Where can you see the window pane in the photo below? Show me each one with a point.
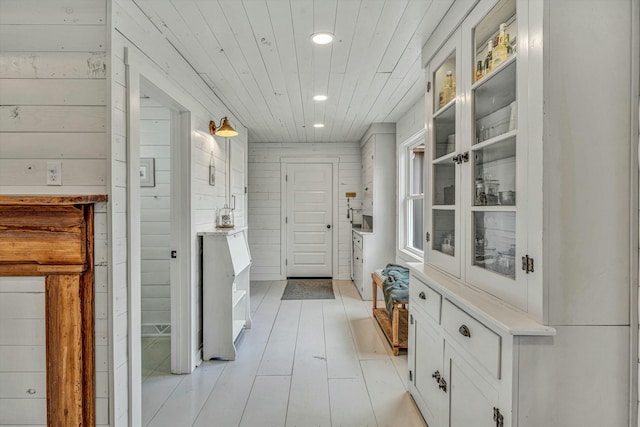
(415, 221)
(416, 168)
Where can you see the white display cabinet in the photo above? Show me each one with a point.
(226, 304)
(521, 307)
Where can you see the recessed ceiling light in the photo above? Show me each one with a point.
(318, 125)
(320, 98)
(322, 38)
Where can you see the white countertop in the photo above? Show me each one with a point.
(484, 307)
(221, 231)
(359, 231)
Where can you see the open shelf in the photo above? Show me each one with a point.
(238, 326)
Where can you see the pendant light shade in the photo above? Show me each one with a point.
(225, 129)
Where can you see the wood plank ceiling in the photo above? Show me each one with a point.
(257, 56)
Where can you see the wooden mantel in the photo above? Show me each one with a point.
(52, 236)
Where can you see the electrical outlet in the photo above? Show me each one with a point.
(54, 173)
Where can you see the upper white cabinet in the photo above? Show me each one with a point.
(531, 204)
(479, 171)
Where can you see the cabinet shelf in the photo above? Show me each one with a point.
(494, 208)
(487, 77)
(494, 140)
(448, 158)
(237, 297)
(446, 109)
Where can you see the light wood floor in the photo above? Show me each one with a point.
(303, 363)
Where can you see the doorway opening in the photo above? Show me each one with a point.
(155, 237)
(158, 242)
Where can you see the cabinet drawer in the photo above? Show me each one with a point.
(357, 241)
(422, 296)
(480, 341)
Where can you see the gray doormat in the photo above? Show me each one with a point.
(308, 289)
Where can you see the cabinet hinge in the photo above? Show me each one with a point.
(286, 220)
(411, 319)
(428, 236)
(428, 87)
(286, 261)
(410, 375)
(246, 190)
(527, 264)
(286, 178)
(498, 417)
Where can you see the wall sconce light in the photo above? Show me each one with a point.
(224, 129)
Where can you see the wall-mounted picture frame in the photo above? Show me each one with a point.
(212, 175)
(147, 172)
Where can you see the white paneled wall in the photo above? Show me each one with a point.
(264, 201)
(157, 61)
(53, 98)
(155, 217)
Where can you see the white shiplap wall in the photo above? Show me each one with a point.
(155, 217)
(22, 351)
(53, 98)
(264, 201)
(157, 60)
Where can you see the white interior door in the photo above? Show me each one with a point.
(309, 216)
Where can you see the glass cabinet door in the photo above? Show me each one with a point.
(476, 156)
(493, 212)
(442, 197)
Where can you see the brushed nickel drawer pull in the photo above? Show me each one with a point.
(464, 331)
(422, 295)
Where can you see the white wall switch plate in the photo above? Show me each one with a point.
(54, 173)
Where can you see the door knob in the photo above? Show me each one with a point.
(422, 295)
(328, 225)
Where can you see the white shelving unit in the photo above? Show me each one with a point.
(225, 294)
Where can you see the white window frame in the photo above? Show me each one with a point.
(404, 170)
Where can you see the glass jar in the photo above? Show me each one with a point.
(224, 217)
(491, 190)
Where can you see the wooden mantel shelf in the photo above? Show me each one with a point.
(52, 236)
(53, 200)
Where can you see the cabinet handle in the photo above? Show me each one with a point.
(436, 375)
(442, 385)
(464, 331)
(422, 295)
(498, 417)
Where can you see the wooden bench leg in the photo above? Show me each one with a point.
(374, 294)
(395, 324)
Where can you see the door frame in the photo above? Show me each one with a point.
(284, 161)
(137, 75)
